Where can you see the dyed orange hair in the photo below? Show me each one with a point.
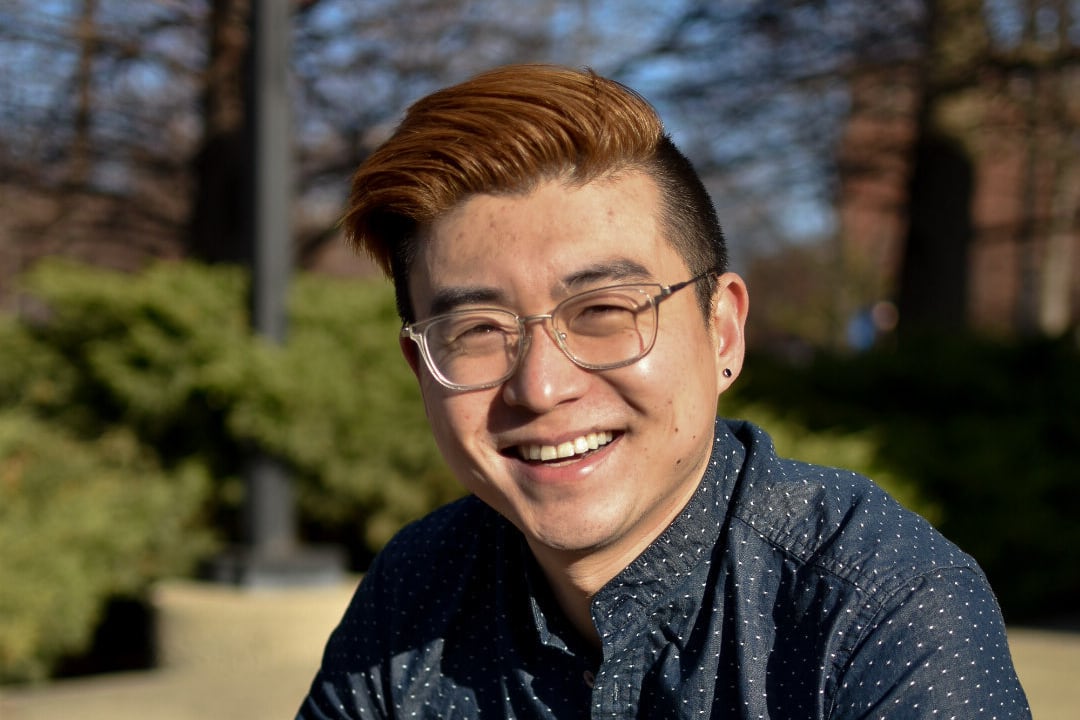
(504, 131)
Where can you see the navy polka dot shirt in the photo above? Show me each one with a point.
(783, 590)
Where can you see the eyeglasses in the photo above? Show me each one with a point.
(600, 329)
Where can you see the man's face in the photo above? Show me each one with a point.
(526, 253)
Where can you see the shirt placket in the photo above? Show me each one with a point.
(617, 686)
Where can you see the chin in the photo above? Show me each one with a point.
(583, 535)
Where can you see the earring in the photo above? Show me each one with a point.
(727, 372)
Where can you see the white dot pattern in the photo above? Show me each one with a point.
(783, 590)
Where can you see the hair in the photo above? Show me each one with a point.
(506, 131)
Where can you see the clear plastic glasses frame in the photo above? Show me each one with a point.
(599, 329)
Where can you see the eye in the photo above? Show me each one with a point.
(603, 308)
(605, 315)
(478, 330)
(471, 332)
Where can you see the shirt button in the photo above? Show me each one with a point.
(590, 678)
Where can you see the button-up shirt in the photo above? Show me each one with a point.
(782, 590)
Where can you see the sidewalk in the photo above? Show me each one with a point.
(225, 653)
(250, 654)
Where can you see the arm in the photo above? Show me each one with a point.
(336, 696)
(937, 648)
(332, 697)
(349, 682)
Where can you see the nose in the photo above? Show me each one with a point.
(545, 377)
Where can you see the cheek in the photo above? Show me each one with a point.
(455, 419)
(679, 382)
(685, 363)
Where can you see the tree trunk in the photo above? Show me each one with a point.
(82, 143)
(934, 276)
(935, 268)
(220, 230)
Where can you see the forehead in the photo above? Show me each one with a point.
(538, 240)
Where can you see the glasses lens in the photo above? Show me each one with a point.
(473, 348)
(608, 327)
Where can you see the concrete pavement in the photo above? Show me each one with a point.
(250, 654)
(225, 653)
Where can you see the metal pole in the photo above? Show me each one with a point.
(270, 514)
(273, 176)
(271, 554)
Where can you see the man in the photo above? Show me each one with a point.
(571, 322)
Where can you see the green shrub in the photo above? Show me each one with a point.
(168, 354)
(341, 405)
(162, 365)
(80, 523)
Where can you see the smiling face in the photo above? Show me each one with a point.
(580, 461)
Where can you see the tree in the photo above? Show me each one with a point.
(765, 93)
(796, 111)
(149, 104)
(219, 229)
(94, 130)
(942, 132)
(933, 285)
(998, 91)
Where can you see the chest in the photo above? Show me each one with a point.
(715, 648)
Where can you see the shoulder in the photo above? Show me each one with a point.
(420, 581)
(837, 521)
(451, 534)
(902, 605)
(440, 555)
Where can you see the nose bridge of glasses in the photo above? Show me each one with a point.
(539, 318)
(550, 329)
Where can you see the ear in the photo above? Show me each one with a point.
(730, 305)
(412, 354)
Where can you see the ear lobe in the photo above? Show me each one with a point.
(731, 304)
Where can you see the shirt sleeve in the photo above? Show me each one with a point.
(936, 649)
(339, 696)
(349, 683)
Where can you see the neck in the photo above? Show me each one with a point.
(575, 576)
(574, 579)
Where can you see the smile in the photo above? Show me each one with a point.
(578, 446)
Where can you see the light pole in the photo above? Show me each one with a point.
(271, 554)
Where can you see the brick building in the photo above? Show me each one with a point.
(1019, 134)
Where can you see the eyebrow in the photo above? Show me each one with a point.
(618, 269)
(449, 299)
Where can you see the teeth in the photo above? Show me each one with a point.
(577, 446)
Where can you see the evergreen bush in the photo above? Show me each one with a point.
(168, 354)
(82, 522)
(149, 392)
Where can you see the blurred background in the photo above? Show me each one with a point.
(899, 183)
